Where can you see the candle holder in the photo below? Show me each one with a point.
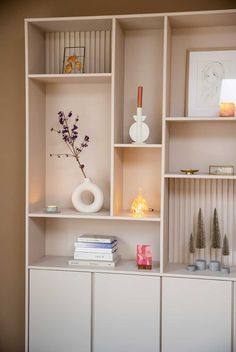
(227, 110)
(139, 131)
(214, 265)
(52, 209)
(201, 264)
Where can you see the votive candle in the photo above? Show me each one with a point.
(227, 109)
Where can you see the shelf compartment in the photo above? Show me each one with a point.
(52, 180)
(124, 266)
(199, 31)
(185, 197)
(179, 270)
(101, 215)
(55, 236)
(200, 176)
(139, 62)
(196, 146)
(71, 214)
(130, 145)
(47, 39)
(200, 119)
(72, 78)
(126, 215)
(136, 168)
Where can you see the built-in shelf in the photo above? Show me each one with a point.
(123, 266)
(72, 78)
(201, 176)
(126, 215)
(71, 214)
(201, 119)
(179, 270)
(101, 215)
(134, 145)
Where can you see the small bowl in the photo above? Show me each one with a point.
(189, 171)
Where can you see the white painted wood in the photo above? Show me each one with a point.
(73, 78)
(126, 314)
(143, 57)
(60, 311)
(207, 194)
(107, 51)
(92, 102)
(124, 266)
(188, 38)
(196, 145)
(196, 315)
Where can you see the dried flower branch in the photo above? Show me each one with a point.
(69, 136)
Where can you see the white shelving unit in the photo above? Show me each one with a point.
(123, 52)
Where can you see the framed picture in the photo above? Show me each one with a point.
(73, 60)
(205, 70)
(221, 170)
(144, 256)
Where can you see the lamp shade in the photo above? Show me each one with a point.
(228, 91)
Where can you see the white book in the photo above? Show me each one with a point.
(95, 256)
(100, 263)
(96, 250)
(96, 238)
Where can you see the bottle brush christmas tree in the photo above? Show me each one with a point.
(216, 238)
(225, 251)
(191, 249)
(200, 238)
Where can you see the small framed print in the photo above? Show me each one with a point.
(221, 170)
(144, 256)
(206, 68)
(73, 61)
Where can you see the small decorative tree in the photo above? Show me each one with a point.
(200, 238)
(216, 238)
(225, 252)
(191, 249)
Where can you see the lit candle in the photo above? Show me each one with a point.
(140, 97)
(227, 109)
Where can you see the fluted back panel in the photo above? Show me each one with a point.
(186, 196)
(97, 50)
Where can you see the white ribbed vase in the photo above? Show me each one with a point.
(87, 186)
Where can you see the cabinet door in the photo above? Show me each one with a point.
(196, 315)
(126, 313)
(60, 311)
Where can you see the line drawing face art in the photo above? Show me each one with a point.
(211, 76)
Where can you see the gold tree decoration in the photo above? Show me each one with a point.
(216, 236)
(200, 238)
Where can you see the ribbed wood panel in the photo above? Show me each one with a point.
(185, 199)
(97, 50)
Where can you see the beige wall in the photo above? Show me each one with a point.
(12, 159)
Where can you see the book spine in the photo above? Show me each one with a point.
(91, 263)
(95, 245)
(96, 250)
(95, 256)
(95, 240)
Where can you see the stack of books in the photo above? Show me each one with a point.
(95, 250)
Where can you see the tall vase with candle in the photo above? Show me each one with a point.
(139, 131)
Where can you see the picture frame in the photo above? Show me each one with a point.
(73, 59)
(205, 70)
(221, 170)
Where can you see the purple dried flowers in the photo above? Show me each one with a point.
(69, 136)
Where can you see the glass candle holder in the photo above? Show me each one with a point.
(227, 109)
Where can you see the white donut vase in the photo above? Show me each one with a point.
(87, 186)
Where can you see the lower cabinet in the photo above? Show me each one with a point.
(126, 313)
(60, 311)
(196, 315)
